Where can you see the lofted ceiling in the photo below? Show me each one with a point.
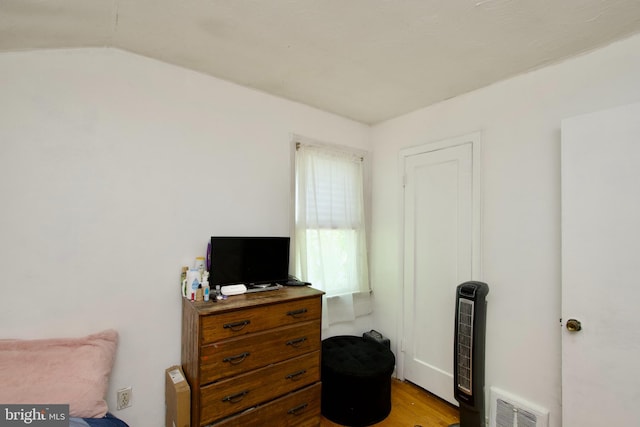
(368, 60)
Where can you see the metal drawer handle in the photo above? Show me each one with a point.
(297, 342)
(298, 409)
(237, 326)
(297, 313)
(296, 375)
(235, 398)
(234, 360)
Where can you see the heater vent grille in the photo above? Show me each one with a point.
(509, 411)
(508, 415)
(465, 345)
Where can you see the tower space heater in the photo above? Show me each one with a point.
(468, 359)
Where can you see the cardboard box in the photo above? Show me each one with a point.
(177, 398)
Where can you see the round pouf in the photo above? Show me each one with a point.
(356, 380)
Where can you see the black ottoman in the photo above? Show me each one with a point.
(356, 380)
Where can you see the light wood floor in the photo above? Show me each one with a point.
(412, 406)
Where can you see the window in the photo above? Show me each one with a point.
(330, 239)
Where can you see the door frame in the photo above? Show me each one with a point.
(474, 139)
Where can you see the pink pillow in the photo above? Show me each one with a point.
(59, 371)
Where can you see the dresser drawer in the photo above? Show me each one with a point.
(236, 394)
(298, 409)
(235, 323)
(238, 355)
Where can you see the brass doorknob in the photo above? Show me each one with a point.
(573, 325)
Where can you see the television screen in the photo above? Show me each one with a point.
(248, 260)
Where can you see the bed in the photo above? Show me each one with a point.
(66, 371)
(107, 421)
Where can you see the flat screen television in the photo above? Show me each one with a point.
(248, 260)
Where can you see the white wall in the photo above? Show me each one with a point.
(520, 123)
(114, 171)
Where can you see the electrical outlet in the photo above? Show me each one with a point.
(124, 397)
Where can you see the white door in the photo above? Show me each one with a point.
(601, 269)
(438, 256)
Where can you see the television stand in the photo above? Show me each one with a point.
(254, 359)
(263, 287)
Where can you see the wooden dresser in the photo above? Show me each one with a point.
(254, 359)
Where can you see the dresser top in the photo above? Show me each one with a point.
(234, 302)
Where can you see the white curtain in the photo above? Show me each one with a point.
(330, 238)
